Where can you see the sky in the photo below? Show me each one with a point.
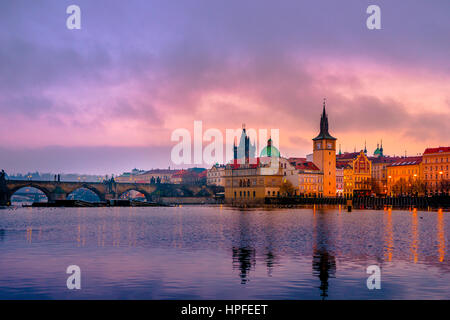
(106, 98)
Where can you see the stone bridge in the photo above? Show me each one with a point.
(55, 190)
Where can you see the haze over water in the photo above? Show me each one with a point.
(200, 252)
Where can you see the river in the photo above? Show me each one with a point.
(214, 252)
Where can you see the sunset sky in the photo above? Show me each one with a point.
(106, 98)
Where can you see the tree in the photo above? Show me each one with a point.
(375, 186)
(418, 187)
(445, 186)
(400, 187)
(287, 189)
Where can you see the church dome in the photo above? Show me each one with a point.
(270, 150)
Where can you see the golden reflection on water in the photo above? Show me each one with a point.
(116, 227)
(131, 229)
(414, 236)
(81, 227)
(178, 231)
(441, 235)
(29, 235)
(389, 236)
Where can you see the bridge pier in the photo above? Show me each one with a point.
(57, 194)
(5, 199)
(110, 196)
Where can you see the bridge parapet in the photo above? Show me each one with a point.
(59, 190)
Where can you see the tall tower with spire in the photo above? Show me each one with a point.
(324, 155)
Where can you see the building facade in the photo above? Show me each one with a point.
(310, 180)
(404, 176)
(141, 176)
(435, 170)
(379, 173)
(339, 180)
(357, 174)
(216, 175)
(251, 183)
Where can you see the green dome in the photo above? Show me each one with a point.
(270, 151)
(377, 151)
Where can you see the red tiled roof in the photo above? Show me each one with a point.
(307, 165)
(384, 159)
(436, 150)
(295, 161)
(253, 163)
(406, 161)
(341, 165)
(179, 174)
(202, 174)
(347, 155)
(160, 171)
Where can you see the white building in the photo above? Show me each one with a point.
(215, 175)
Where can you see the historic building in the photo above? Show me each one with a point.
(404, 176)
(215, 175)
(141, 176)
(357, 174)
(252, 180)
(339, 180)
(435, 170)
(310, 180)
(324, 156)
(348, 180)
(379, 173)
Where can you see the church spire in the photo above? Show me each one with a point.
(324, 134)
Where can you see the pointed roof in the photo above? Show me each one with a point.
(324, 126)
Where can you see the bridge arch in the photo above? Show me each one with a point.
(147, 196)
(99, 194)
(44, 190)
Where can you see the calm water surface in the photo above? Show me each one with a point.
(223, 253)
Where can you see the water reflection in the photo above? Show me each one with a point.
(324, 262)
(441, 235)
(389, 236)
(415, 236)
(244, 260)
(216, 252)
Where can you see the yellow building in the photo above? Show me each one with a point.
(379, 173)
(348, 181)
(324, 156)
(435, 170)
(251, 183)
(310, 180)
(357, 175)
(404, 176)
